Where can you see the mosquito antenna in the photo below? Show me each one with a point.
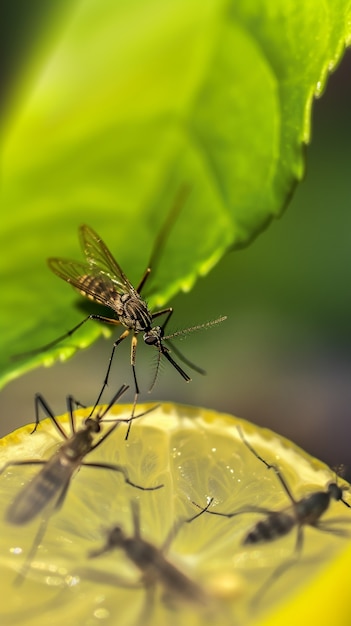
(172, 216)
(179, 354)
(192, 329)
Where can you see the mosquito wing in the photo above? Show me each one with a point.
(177, 583)
(89, 281)
(100, 258)
(52, 480)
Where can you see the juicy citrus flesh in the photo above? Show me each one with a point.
(196, 455)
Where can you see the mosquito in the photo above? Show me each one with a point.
(51, 484)
(101, 279)
(306, 511)
(154, 566)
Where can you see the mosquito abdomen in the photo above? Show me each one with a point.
(274, 526)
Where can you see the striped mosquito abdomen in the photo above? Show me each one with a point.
(274, 526)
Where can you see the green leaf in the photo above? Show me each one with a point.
(119, 105)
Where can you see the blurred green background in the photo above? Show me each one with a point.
(283, 358)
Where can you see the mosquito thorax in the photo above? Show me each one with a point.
(135, 313)
(153, 336)
(92, 425)
(116, 537)
(335, 491)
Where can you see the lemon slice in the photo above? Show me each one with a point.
(196, 454)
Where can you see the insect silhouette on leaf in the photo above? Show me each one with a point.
(48, 488)
(306, 511)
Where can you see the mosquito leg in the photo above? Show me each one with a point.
(146, 611)
(131, 419)
(118, 422)
(176, 528)
(339, 532)
(40, 402)
(168, 311)
(71, 403)
(136, 386)
(100, 415)
(39, 536)
(172, 216)
(268, 466)
(122, 470)
(51, 344)
(143, 280)
(104, 385)
(172, 534)
(132, 360)
(26, 462)
(281, 568)
(257, 597)
(249, 509)
(37, 540)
